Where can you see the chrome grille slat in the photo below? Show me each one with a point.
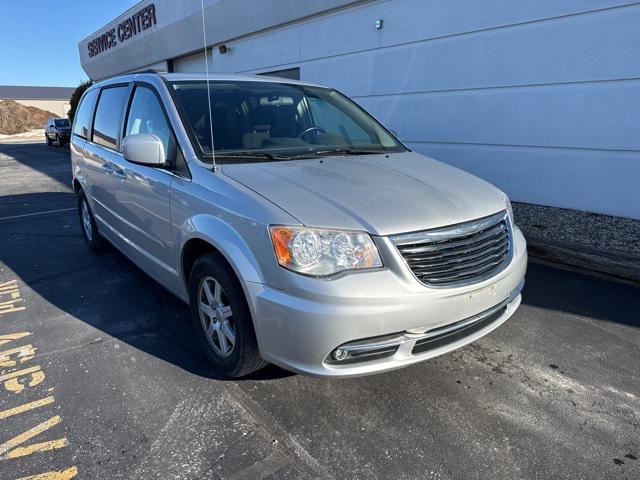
(459, 254)
(450, 244)
(429, 270)
(439, 277)
(461, 275)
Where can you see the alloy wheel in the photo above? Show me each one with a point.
(216, 316)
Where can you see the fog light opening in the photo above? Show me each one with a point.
(339, 354)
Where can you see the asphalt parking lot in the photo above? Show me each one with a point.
(103, 380)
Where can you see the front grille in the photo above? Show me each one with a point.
(460, 254)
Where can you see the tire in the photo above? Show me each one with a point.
(58, 140)
(228, 309)
(46, 137)
(88, 225)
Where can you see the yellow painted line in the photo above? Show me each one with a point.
(57, 475)
(19, 373)
(11, 448)
(13, 336)
(11, 309)
(8, 303)
(37, 447)
(25, 352)
(15, 386)
(26, 407)
(10, 285)
(14, 448)
(11, 290)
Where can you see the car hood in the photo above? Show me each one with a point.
(381, 194)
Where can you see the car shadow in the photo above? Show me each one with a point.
(43, 246)
(103, 290)
(581, 294)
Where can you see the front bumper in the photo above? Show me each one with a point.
(298, 328)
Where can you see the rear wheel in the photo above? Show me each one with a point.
(88, 225)
(222, 319)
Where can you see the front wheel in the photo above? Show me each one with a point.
(46, 137)
(222, 319)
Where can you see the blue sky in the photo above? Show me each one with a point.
(39, 39)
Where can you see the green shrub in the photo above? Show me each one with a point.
(75, 98)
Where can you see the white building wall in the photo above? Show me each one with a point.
(541, 98)
(191, 63)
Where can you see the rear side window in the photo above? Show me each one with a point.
(109, 116)
(82, 120)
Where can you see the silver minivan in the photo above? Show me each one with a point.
(299, 230)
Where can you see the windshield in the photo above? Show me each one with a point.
(63, 122)
(276, 120)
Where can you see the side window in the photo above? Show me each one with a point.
(82, 120)
(147, 116)
(109, 116)
(337, 124)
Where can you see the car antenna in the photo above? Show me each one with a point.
(206, 65)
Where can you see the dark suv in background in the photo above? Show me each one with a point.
(57, 130)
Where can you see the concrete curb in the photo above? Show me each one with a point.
(618, 265)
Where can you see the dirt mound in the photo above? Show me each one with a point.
(17, 118)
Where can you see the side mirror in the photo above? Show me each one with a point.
(145, 149)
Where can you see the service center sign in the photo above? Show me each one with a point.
(129, 27)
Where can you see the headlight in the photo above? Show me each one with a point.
(509, 208)
(320, 252)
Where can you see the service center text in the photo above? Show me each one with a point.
(139, 21)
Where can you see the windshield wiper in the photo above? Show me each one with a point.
(252, 156)
(348, 151)
(261, 156)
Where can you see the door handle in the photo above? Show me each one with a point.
(107, 168)
(118, 172)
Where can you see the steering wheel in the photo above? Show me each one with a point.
(311, 129)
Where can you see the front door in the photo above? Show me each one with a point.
(143, 193)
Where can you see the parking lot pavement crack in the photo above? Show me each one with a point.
(126, 337)
(262, 469)
(221, 456)
(150, 333)
(288, 444)
(28, 218)
(62, 351)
